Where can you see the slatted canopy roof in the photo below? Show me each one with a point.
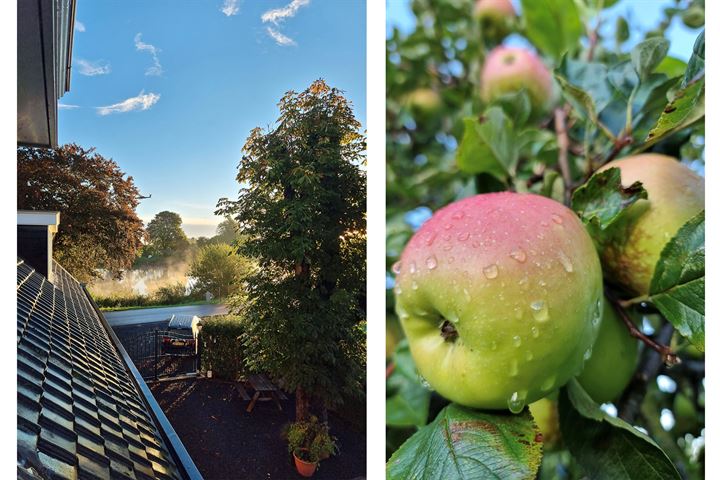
(81, 411)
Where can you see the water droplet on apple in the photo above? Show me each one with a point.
(396, 267)
(431, 262)
(467, 294)
(451, 259)
(544, 224)
(516, 402)
(397, 290)
(462, 236)
(542, 283)
(587, 354)
(528, 355)
(565, 261)
(513, 368)
(535, 331)
(548, 384)
(413, 268)
(518, 255)
(517, 341)
(540, 310)
(447, 237)
(448, 226)
(458, 215)
(597, 314)
(431, 238)
(491, 271)
(556, 218)
(425, 383)
(414, 285)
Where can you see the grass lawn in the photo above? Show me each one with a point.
(138, 307)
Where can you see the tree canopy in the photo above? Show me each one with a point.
(302, 192)
(99, 228)
(218, 271)
(165, 235)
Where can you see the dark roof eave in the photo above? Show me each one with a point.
(176, 447)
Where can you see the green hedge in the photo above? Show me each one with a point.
(221, 348)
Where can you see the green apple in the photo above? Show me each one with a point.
(510, 69)
(423, 101)
(496, 17)
(545, 413)
(614, 358)
(675, 194)
(499, 296)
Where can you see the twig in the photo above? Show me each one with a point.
(563, 146)
(649, 368)
(389, 370)
(666, 353)
(622, 141)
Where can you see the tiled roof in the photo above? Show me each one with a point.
(79, 412)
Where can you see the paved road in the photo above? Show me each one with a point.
(149, 315)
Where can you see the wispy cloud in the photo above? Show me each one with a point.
(281, 39)
(91, 69)
(278, 15)
(141, 46)
(230, 7)
(79, 26)
(141, 102)
(63, 106)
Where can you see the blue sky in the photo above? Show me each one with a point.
(184, 82)
(643, 15)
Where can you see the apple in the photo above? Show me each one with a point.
(423, 101)
(510, 69)
(545, 414)
(500, 297)
(495, 16)
(614, 358)
(675, 194)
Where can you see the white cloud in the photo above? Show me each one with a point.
(91, 69)
(230, 7)
(277, 15)
(281, 39)
(142, 102)
(141, 46)
(79, 26)
(63, 106)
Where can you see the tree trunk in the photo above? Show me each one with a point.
(302, 405)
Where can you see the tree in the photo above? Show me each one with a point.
(218, 271)
(99, 228)
(302, 192)
(165, 234)
(615, 96)
(227, 231)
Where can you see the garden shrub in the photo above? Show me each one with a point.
(221, 346)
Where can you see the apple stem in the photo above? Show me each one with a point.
(666, 353)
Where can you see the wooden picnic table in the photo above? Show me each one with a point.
(264, 390)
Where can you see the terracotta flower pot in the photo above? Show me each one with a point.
(306, 469)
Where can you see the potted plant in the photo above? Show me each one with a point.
(309, 442)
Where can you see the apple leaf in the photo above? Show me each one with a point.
(686, 107)
(463, 443)
(410, 403)
(678, 285)
(590, 77)
(648, 54)
(696, 64)
(601, 200)
(605, 446)
(488, 145)
(554, 26)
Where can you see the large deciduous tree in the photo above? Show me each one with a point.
(218, 271)
(165, 235)
(99, 228)
(301, 203)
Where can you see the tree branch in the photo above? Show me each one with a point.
(563, 145)
(648, 369)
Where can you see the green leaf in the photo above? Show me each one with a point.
(696, 64)
(578, 98)
(462, 443)
(607, 447)
(516, 105)
(648, 54)
(591, 77)
(686, 107)
(553, 26)
(602, 199)
(488, 145)
(410, 403)
(672, 67)
(622, 30)
(678, 285)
